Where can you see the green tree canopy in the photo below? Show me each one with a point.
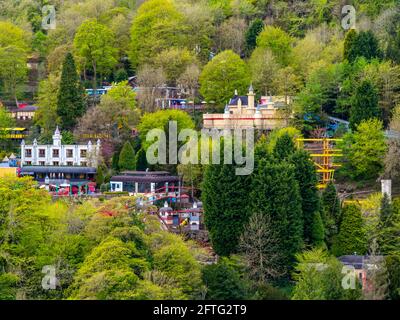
(331, 213)
(364, 104)
(127, 157)
(222, 76)
(275, 193)
(224, 281)
(319, 277)
(278, 41)
(94, 43)
(255, 28)
(365, 150)
(352, 237)
(157, 26)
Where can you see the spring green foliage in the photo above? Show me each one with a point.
(70, 102)
(160, 120)
(278, 41)
(276, 134)
(352, 237)
(94, 43)
(100, 249)
(46, 115)
(6, 121)
(365, 150)
(14, 46)
(319, 277)
(157, 26)
(222, 76)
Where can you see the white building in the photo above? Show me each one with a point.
(58, 154)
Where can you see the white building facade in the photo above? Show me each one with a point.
(58, 154)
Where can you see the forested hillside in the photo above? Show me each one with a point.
(105, 70)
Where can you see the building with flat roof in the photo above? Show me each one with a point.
(243, 112)
(57, 154)
(145, 182)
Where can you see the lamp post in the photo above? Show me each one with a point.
(47, 182)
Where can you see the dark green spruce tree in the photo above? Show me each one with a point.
(284, 147)
(225, 201)
(349, 46)
(255, 28)
(363, 44)
(306, 176)
(364, 104)
(393, 50)
(351, 238)
(141, 160)
(71, 104)
(126, 159)
(331, 213)
(275, 193)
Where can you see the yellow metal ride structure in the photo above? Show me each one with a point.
(323, 151)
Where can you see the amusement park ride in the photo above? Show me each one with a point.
(323, 151)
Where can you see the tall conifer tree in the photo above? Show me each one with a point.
(70, 105)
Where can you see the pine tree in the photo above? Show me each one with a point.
(331, 213)
(284, 147)
(115, 161)
(275, 193)
(252, 33)
(141, 160)
(100, 176)
(306, 176)
(351, 238)
(363, 44)
(393, 50)
(127, 157)
(349, 52)
(70, 104)
(225, 202)
(364, 104)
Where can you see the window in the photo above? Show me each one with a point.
(84, 164)
(70, 164)
(56, 153)
(55, 163)
(42, 163)
(28, 163)
(28, 153)
(42, 153)
(70, 153)
(83, 153)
